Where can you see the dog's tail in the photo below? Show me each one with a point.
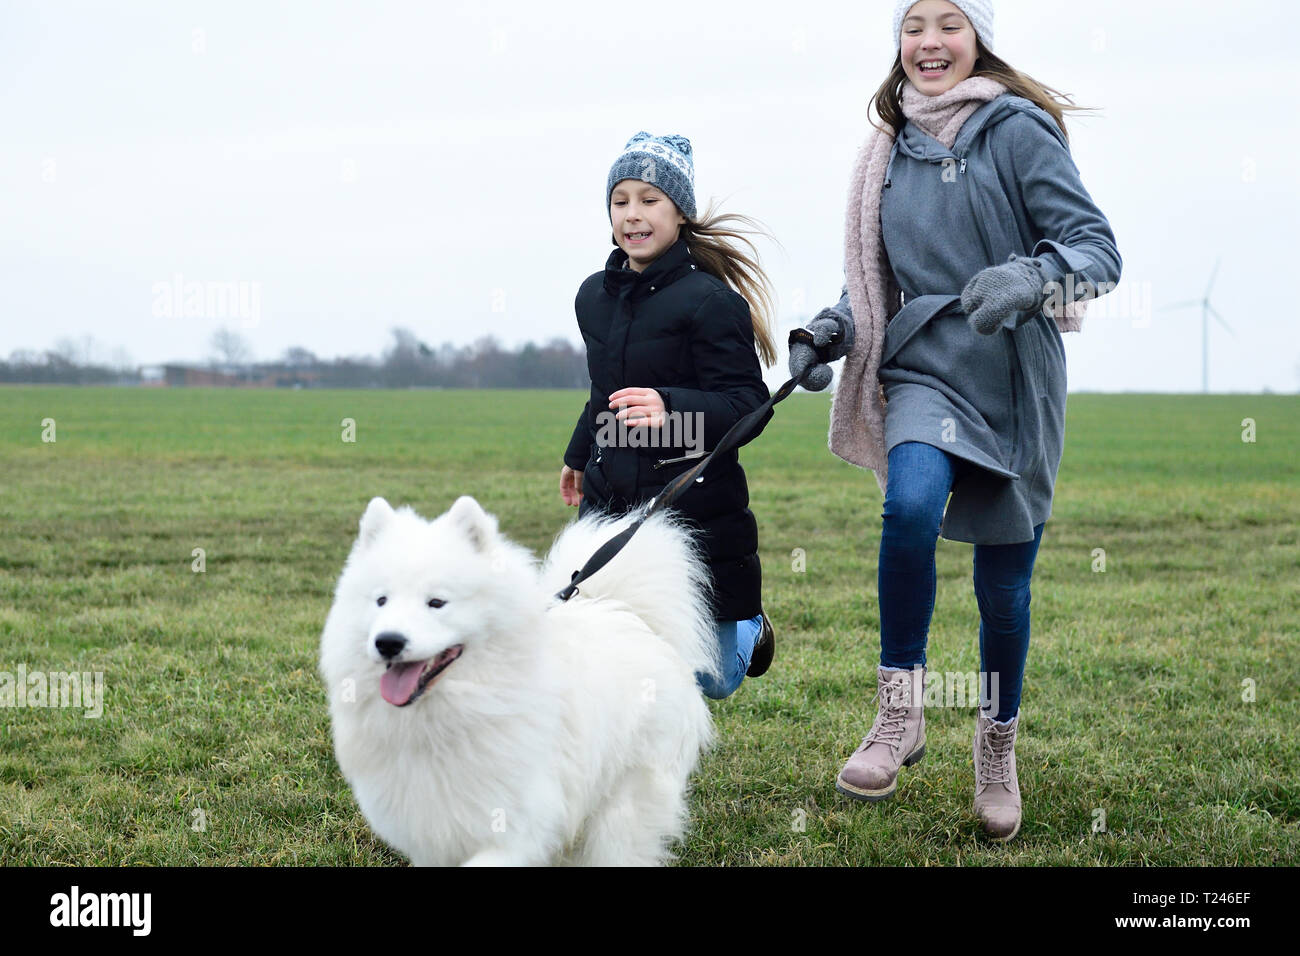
(661, 576)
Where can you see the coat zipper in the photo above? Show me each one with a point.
(1011, 371)
(1013, 462)
(659, 463)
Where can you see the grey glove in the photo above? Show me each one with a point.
(994, 294)
(826, 322)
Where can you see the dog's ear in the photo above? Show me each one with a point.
(378, 512)
(476, 524)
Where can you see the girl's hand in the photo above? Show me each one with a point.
(570, 485)
(639, 406)
(995, 294)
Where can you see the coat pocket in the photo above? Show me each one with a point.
(660, 463)
(1033, 359)
(595, 486)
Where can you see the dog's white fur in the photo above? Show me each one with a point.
(566, 732)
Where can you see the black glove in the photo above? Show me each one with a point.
(994, 294)
(828, 337)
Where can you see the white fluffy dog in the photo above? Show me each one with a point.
(478, 719)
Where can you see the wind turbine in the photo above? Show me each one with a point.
(1206, 311)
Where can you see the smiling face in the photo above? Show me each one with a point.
(421, 604)
(646, 222)
(936, 31)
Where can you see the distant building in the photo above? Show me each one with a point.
(153, 376)
(257, 376)
(182, 375)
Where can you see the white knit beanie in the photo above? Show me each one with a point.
(978, 12)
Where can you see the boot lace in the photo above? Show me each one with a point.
(890, 718)
(995, 756)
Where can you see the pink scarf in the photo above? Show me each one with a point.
(857, 431)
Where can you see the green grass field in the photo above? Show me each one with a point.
(1138, 742)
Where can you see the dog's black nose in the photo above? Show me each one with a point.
(389, 644)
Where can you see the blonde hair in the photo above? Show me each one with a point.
(888, 98)
(716, 248)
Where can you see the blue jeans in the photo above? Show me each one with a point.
(920, 479)
(736, 641)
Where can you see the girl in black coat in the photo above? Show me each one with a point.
(672, 350)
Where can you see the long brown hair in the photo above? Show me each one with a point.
(716, 248)
(888, 99)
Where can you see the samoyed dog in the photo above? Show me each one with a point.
(481, 720)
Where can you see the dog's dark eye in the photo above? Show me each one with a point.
(382, 601)
(436, 602)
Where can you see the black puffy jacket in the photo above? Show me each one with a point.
(689, 336)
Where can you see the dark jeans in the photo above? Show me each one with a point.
(920, 479)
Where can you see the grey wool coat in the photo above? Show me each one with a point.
(1008, 185)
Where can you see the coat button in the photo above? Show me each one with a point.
(692, 265)
(652, 288)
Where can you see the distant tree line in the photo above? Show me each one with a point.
(406, 363)
(48, 368)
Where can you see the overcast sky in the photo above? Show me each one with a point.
(441, 167)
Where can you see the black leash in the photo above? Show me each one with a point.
(674, 488)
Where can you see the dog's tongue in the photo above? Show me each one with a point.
(399, 682)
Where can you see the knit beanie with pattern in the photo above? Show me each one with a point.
(662, 161)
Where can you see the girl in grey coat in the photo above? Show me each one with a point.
(971, 245)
